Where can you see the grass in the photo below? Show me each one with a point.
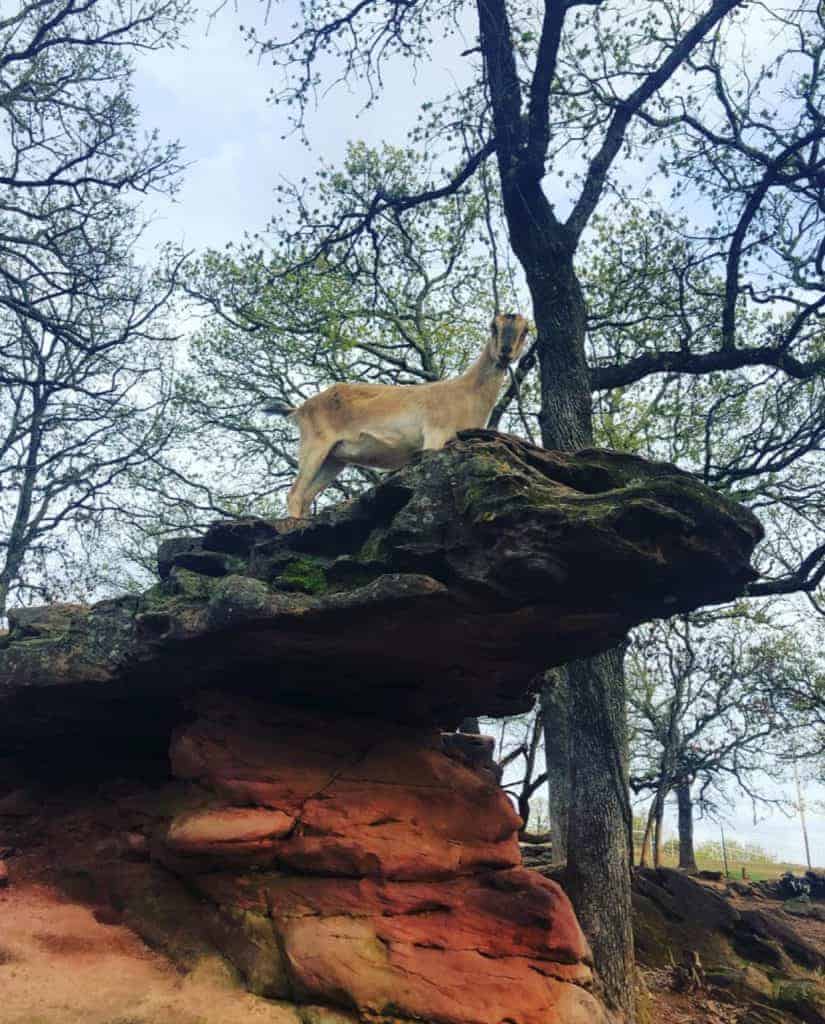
(757, 871)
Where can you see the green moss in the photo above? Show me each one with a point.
(193, 586)
(305, 574)
(371, 549)
(182, 586)
(804, 998)
(348, 573)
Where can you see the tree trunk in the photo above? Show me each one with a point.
(658, 818)
(18, 541)
(687, 856)
(601, 822)
(528, 786)
(555, 716)
(644, 855)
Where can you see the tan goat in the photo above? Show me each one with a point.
(383, 425)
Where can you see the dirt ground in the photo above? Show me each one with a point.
(59, 965)
(699, 1007)
(669, 1007)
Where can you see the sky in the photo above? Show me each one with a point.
(212, 96)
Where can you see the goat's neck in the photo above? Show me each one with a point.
(485, 377)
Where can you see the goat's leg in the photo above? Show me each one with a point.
(435, 439)
(323, 478)
(310, 460)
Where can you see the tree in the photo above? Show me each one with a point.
(557, 96)
(755, 432)
(82, 359)
(517, 750)
(703, 711)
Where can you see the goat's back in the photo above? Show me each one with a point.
(341, 404)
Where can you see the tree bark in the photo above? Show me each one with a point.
(554, 709)
(600, 820)
(529, 786)
(687, 855)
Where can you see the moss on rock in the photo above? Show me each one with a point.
(305, 574)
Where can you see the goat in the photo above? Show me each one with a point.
(383, 425)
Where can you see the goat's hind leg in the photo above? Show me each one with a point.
(433, 440)
(310, 461)
(329, 470)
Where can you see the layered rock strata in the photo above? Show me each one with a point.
(359, 864)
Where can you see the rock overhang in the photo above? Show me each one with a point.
(441, 593)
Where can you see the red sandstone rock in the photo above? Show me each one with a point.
(452, 946)
(394, 806)
(344, 959)
(228, 830)
(514, 912)
(409, 899)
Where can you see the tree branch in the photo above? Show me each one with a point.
(603, 378)
(625, 109)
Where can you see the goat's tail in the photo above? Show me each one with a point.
(277, 408)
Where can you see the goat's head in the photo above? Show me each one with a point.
(509, 333)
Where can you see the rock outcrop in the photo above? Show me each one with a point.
(318, 828)
(435, 597)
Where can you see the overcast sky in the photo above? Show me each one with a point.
(212, 96)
